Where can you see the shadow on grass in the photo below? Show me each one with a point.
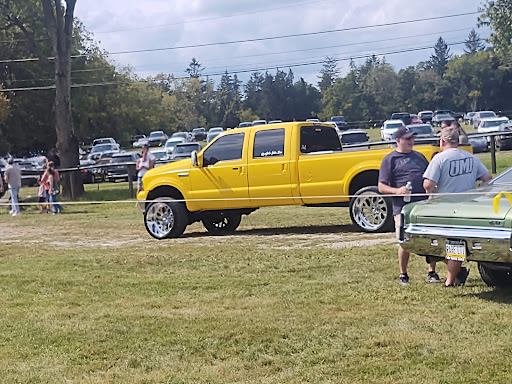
(497, 295)
(311, 230)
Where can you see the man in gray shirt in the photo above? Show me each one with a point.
(451, 171)
(13, 178)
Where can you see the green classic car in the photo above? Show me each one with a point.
(465, 227)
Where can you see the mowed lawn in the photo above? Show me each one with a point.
(296, 295)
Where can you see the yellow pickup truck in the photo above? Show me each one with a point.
(297, 163)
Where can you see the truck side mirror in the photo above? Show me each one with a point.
(197, 159)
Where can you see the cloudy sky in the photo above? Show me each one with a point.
(174, 29)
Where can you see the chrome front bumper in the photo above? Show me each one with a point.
(482, 244)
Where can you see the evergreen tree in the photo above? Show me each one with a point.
(328, 74)
(440, 57)
(473, 43)
(194, 69)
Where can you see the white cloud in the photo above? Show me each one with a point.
(114, 15)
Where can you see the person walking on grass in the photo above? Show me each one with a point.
(53, 178)
(451, 171)
(13, 178)
(398, 168)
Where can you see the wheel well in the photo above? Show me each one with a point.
(364, 179)
(165, 191)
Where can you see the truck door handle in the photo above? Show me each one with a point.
(235, 168)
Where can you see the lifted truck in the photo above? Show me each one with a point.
(243, 169)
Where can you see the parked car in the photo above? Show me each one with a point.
(422, 131)
(405, 117)
(101, 163)
(479, 144)
(97, 150)
(504, 141)
(313, 120)
(199, 134)
(468, 118)
(88, 176)
(426, 116)
(136, 138)
(142, 141)
(162, 157)
(157, 138)
(183, 151)
(340, 122)
(213, 133)
(491, 124)
(171, 143)
(104, 140)
(415, 119)
(118, 170)
(456, 115)
(186, 136)
(387, 132)
(439, 118)
(465, 226)
(353, 136)
(275, 121)
(30, 171)
(245, 124)
(482, 115)
(259, 122)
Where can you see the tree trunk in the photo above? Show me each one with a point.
(59, 27)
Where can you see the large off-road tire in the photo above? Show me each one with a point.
(165, 218)
(371, 211)
(221, 223)
(495, 277)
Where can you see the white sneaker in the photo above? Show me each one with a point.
(14, 214)
(11, 212)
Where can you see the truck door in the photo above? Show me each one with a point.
(269, 167)
(221, 183)
(320, 178)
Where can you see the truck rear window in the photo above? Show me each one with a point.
(319, 138)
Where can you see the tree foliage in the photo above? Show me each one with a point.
(440, 58)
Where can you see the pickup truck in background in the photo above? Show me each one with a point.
(296, 163)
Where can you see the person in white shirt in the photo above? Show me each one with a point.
(146, 162)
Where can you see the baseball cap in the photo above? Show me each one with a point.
(403, 133)
(450, 135)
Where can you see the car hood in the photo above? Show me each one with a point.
(176, 166)
(471, 209)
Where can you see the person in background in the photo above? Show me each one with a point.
(53, 187)
(451, 171)
(143, 164)
(399, 167)
(13, 178)
(54, 157)
(42, 196)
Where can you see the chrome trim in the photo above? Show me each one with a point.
(185, 174)
(459, 231)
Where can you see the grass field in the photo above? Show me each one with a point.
(296, 295)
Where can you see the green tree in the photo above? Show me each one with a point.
(194, 69)
(497, 15)
(440, 58)
(328, 74)
(473, 43)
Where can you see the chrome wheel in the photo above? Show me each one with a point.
(159, 220)
(370, 211)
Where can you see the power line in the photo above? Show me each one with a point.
(212, 18)
(265, 38)
(50, 87)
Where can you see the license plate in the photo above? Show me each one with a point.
(456, 251)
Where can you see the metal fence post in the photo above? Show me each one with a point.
(493, 154)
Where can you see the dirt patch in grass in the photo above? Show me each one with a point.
(263, 239)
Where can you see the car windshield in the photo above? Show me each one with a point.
(179, 134)
(503, 178)
(121, 159)
(185, 148)
(444, 117)
(493, 123)
(471, 114)
(393, 125)
(171, 144)
(156, 134)
(101, 141)
(484, 115)
(159, 155)
(198, 130)
(215, 130)
(425, 114)
(421, 129)
(354, 138)
(100, 148)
